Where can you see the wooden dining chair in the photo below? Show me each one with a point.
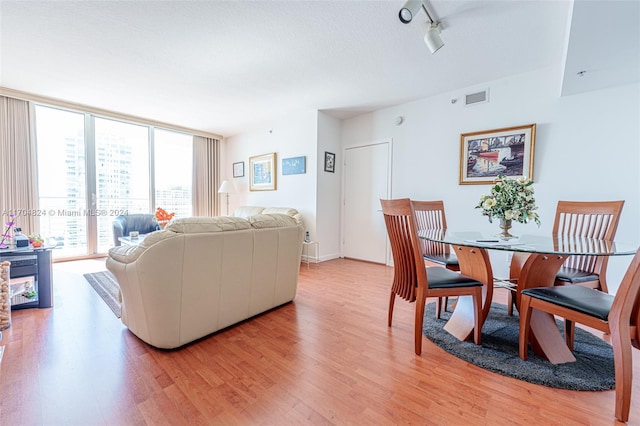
(586, 219)
(617, 315)
(430, 215)
(413, 281)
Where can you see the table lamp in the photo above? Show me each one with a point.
(226, 188)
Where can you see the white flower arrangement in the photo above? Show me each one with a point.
(510, 199)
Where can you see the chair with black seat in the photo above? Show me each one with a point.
(412, 280)
(617, 315)
(140, 222)
(586, 219)
(430, 215)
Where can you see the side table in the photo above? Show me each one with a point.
(306, 245)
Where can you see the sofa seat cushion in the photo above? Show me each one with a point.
(261, 221)
(202, 224)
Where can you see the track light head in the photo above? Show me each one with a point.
(432, 37)
(409, 10)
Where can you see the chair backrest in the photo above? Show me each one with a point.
(626, 303)
(589, 219)
(430, 215)
(407, 254)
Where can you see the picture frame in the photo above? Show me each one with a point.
(329, 162)
(294, 165)
(262, 172)
(488, 153)
(238, 169)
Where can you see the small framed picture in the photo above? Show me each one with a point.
(262, 172)
(329, 162)
(238, 169)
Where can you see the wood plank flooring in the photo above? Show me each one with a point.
(328, 358)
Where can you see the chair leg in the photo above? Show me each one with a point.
(477, 314)
(510, 303)
(439, 307)
(569, 333)
(622, 359)
(525, 319)
(446, 304)
(420, 302)
(392, 300)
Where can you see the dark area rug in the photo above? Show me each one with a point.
(105, 284)
(593, 370)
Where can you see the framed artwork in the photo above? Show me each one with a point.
(262, 172)
(294, 165)
(238, 169)
(329, 162)
(486, 154)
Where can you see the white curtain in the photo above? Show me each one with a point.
(18, 175)
(206, 178)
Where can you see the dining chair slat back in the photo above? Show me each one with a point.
(430, 215)
(591, 220)
(411, 279)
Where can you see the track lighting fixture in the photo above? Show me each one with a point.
(432, 37)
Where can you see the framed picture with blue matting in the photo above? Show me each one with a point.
(294, 165)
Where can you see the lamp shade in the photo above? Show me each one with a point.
(226, 187)
(432, 38)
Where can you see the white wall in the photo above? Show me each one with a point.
(294, 136)
(328, 207)
(586, 148)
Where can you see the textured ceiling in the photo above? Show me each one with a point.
(224, 66)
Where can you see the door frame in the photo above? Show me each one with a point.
(389, 143)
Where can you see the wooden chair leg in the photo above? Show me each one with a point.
(569, 333)
(392, 300)
(446, 304)
(420, 302)
(439, 307)
(525, 319)
(510, 303)
(477, 313)
(622, 360)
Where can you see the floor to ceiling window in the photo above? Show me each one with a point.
(92, 169)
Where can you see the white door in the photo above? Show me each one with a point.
(367, 180)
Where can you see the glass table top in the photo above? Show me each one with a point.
(552, 244)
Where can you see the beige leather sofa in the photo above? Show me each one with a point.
(202, 274)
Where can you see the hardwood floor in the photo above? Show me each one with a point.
(326, 358)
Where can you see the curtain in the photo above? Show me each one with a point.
(206, 178)
(18, 175)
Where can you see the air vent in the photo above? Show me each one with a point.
(476, 98)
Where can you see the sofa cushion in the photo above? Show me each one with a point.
(201, 224)
(276, 220)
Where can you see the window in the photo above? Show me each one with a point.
(91, 169)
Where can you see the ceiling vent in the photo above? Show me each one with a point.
(476, 98)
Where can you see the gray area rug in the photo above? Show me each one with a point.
(593, 370)
(105, 284)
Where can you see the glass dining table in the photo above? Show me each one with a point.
(535, 263)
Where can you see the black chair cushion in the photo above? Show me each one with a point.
(444, 278)
(442, 259)
(575, 276)
(582, 299)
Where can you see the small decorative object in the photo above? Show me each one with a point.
(5, 296)
(35, 240)
(262, 172)
(307, 238)
(238, 169)
(294, 165)
(134, 235)
(511, 199)
(490, 153)
(329, 162)
(163, 217)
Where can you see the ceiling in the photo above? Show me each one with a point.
(225, 66)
